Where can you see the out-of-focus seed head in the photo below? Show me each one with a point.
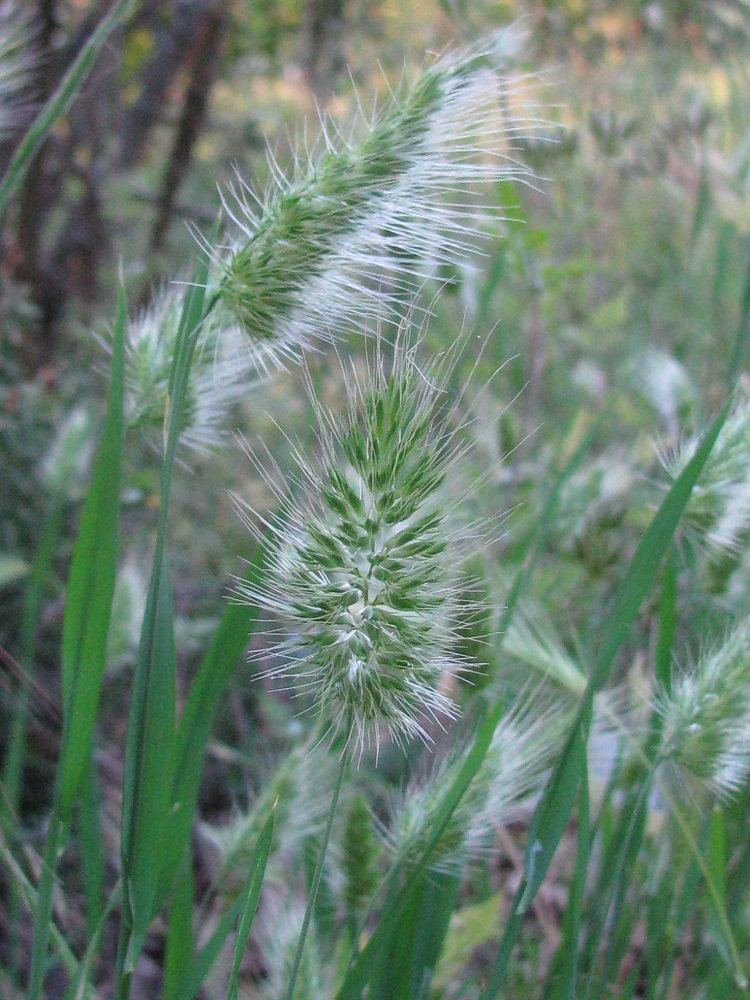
(298, 791)
(223, 370)
(705, 717)
(280, 925)
(510, 777)
(359, 854)
(718, 512)
(17, 61)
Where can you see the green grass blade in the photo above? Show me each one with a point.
(149, 751)
(204, 960)
(648, 556)
(717, 866)
(569, 947)
(229, 642)
(32, 601)
(682, 912)
(551, 815)
(148, 765)
(179, 953)
(78, 988)
(88, 605)
(410, 957)
(30, 898)
(251, 895)
(201, 965)
(91, 586)
(665, 640)
(435, 912)
(91, 845)
(739, 353)
(660, 927)
(60, 102)
(618, 856)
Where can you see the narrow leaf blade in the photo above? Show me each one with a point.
(251, 896)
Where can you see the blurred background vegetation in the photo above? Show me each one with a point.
(622, 297)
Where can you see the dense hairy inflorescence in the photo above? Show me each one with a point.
(510, 777)
(365, 569)
(360, 222)
(718, 512)
(705, 717)
(223, 370)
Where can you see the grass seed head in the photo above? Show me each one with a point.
(365, 569)
(705, 716)
(511, 776)
(17, 63)
(361, 220)
(223, 370)
(718, 512)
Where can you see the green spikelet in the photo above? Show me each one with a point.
(360, 850)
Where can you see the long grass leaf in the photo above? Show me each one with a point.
(229, 641)
(88, 606)
(78, 988)
(32, 600)
(148, 765)
(204, 960)
(149, 750)
(569, 947)
(60, 102)
(648, 556)
(251, 895)
(665, 639)
(179, 952)
(739, 352)
(91, 586)
(91, 844)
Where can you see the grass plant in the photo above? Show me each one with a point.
(383, 626)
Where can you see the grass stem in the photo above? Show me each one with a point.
(317, 877)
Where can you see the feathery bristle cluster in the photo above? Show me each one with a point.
(532, 639)
(512, 774)
(280, 927)
(17, 60)
(362, 221)
(222, 371)
(718, 511)
(365, 571)
(705, 717)
(298, 792)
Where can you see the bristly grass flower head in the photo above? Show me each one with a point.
(510, 777)
(223, 370)
(718, 512)
(17, 61)
(365, 570)
(705, 717)
(361, 220)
